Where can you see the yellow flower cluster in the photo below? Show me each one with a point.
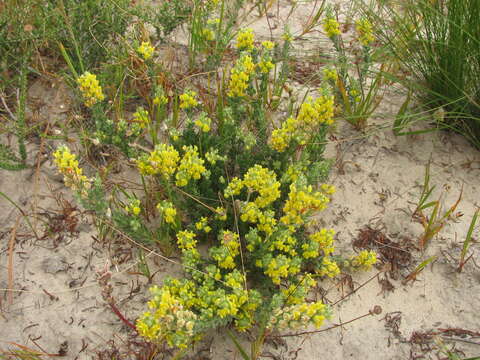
(164, 160)
(364, 32)
(331, 27)
(355, 94)
(187, 100)
(168, 211)
(141, 117)
(191, 166)
(301, 202)
(67, 164)
(233, 188)
(264, 182)
(266, 220)
(212, 156)
(296, 292)
(203, 123)
(364, 260)
(161, 161)
(168, 319)
(186, 240)
(280, 267)
(328, 268)
(146, 50)
(240, 76)
(268, 45)
(319, 241)
(296, 316)
(311, 115)
(245, 40)
(133, 207)
(221, 213)
(160, 100)
(265, 66)
(225, 254)
(208, 34)
(330, 74)
(202, 224)
(90, 88)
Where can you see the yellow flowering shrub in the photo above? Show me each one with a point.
(237, 200)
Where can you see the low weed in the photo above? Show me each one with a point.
(434, 222)
(467, 242)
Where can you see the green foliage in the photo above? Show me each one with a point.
(8, 159)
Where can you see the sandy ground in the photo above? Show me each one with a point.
(57, 303)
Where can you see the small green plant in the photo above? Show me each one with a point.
(436, 221)
(466, 244)
(420, 267)
(359, 88)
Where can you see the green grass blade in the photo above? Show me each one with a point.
(238, 346)
(468, 239)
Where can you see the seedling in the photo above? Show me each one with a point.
(436, 221)
(413, 275)
(466, 244)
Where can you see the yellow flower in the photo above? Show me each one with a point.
(133, 207)
(146, 50)
(203, 123)
(163, 160)
(233, 188)
(168, 211)
(208, 34)
(364, 32)
(245, 40)
(364, 260)
(240, 76)
(268, 45)
(330, 74)
(287, 37)
(265, 66)
(300, 203)
(328, 268)
(141, 117)
(312, 114)
(67, 164)
(187, 100)
(90, 88)
(203, 225)
(160, 100)
(331, 27)
(264, 182)
(191, 166)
